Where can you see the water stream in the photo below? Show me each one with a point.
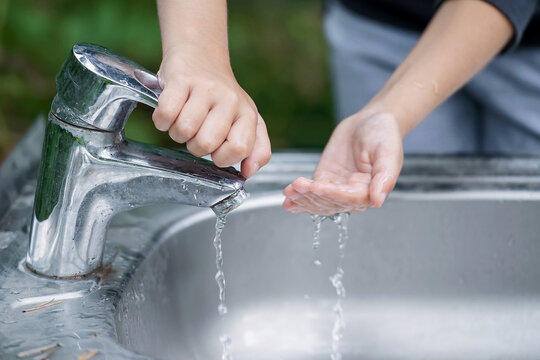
(317, 221)
(224, 338)
(341, 220)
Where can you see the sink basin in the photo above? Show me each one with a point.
(428, 276)
(448, 268)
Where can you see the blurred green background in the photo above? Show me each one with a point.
(277, 51)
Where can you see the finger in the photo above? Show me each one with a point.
(302, 185)
(213, 131)
(290, 206)
(239, 143)
(323, 206)
(303, 204)
(261, 153)
(331, 205)
(313, 204)
(289, 191)
(170, 103)
(348, 195)
(386, 170)
(363, 163)
(328, 202)
(191, 117)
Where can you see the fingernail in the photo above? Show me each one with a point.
(384, 196)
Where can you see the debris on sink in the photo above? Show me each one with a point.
(6, 238)
(48, 350)
(87, 355)
(43, 305)
(49, 353)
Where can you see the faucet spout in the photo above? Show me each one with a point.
(89, 172)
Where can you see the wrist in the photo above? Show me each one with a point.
(401, 116)
(187, 52)
(196, 46)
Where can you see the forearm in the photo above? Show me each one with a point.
(463, 36)
(200, 25)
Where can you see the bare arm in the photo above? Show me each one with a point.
(363, 158)
(201, 24)
(463, 36)
(202, 104)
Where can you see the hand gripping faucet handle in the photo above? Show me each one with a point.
(98, 89)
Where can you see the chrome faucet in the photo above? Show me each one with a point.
(90, 172)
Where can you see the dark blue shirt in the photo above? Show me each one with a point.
(415, 14)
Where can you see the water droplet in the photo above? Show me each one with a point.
(317, 221)
(222, 309)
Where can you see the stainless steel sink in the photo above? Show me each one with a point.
(432, 275)
(449, 268)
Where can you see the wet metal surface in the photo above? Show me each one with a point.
(447, 269)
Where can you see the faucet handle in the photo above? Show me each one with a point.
(98, 89)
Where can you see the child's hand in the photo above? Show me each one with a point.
(358, 168)
(203, 106)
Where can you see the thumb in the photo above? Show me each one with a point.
(386, 169)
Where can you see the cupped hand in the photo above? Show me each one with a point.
(357, 170)
(203, 106)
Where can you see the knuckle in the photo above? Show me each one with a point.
(239, 148)
(232, 97)
(185, 129)
(162, 113)
(266, 157)
(194, 149)
(176, 137)
(250, 116)
(209, 85)
(205, 144)
(254, 116)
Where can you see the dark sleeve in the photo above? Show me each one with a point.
(519, 12)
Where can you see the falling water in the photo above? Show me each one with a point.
(220, 279)
(341, 220)
(317, 220)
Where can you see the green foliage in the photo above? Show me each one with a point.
(277, 52)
